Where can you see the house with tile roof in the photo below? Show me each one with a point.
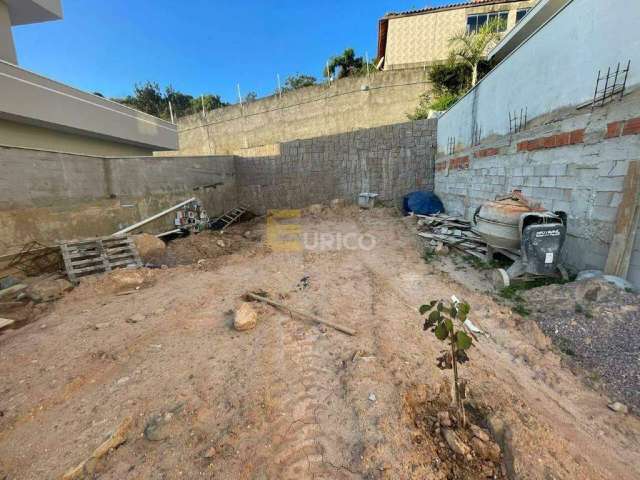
(421, 37)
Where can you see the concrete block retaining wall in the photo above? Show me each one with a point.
(48, 196)
(347, 105)
(574, 162)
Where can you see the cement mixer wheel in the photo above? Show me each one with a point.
(563, 273)
(500, 278)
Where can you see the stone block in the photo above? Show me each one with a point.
(548, 181)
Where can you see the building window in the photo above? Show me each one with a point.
(476, 21)
(521, 13)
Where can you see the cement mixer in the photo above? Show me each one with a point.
(524, 232)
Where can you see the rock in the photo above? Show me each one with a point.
(441, 249)
(101, 326)
(316, 209)
(494, 452)
(417, 396)
(480, 448)
(209, 453)
(124, 279)
(618, 407)
(49, 290)
(138, 317)
(480, 433)
(444, 419)
(245, 318)
(220, 243)
(12, 290)
(372, 397)
(338, 203)
(248, 234)
(123, 380)
(454, 442)
(150, 247)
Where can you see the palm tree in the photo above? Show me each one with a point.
(348, 64)
(471, 47)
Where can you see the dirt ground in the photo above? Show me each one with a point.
(291, 399)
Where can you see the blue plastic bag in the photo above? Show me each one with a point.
(422, 203)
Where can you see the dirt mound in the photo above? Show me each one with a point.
(457, 452)
(212, 244)
(592, 322)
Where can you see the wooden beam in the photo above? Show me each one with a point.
(298, 313)
(627, 219)
(6, 322)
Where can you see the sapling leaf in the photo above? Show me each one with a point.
(449, 325)
(464, 308)
(440, 307)
(441, 331)
(435, 317)
(428, 324)
(463, 341)
(425, 308)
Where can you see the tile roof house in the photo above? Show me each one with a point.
(421, 37)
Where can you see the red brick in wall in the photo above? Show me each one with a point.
(631, 127)
(459, 163)
(486, 152)
(559, 140)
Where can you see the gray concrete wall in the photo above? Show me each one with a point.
(346, 105)
(390, 161)
(554, 68)
(47, 196)
(573, 161)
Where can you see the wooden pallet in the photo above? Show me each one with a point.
(98, 255)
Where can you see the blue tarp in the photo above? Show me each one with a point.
(422, 203)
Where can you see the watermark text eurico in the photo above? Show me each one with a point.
(285, 234)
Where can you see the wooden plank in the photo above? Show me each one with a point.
(88, 261)
(12, 290)
(6, 322)
(627, 219)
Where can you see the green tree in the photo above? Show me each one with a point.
(470, 48)
(181, 103)
(211, 102)
(294, 82)
(441, 320)
(149, 98)
(346, 65)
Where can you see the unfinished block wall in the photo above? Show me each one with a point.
(48, 196)
(391, 161)
(573, 160)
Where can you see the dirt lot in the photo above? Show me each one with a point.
(289, 399)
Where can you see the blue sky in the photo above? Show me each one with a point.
(198, 46)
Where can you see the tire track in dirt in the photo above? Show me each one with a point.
(298, 437)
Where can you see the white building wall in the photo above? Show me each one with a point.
(556, 67)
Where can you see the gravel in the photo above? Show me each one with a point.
(597, 326)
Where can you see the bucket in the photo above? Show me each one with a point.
(367, 200)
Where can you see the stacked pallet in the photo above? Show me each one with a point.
(98, 255)
(455, 232)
